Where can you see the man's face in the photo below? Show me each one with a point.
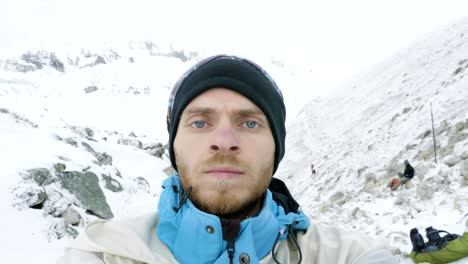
(224, 150)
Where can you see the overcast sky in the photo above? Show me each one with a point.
(332, 39)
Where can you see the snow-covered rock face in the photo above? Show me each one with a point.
(359, 138)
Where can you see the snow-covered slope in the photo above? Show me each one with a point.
(100, 114)
(359, 137)
(77, 120)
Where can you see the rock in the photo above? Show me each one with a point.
(425, 133)
(159, 151)
(451, 160)
(71, 216)
(29, 195)
(112, 184)
(56, 63)
(83, 131)
(71, 231)
(41, 176)
(460, 126)
(59, 167)
(85, 187)
(132, 135)
(57, 229)
(56, 203)
(90, 89)
(104, 159)
(130, 142)
(88, 148)
(71, 141)
(142, 184)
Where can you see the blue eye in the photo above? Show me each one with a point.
(251, 124)
(198, 124)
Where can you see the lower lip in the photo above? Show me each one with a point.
(224, 174)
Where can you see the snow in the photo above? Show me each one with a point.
(360, 127)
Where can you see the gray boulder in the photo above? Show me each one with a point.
(142, 184)
(88, 148)
(103, 159)
(59, 167)
(41, 176)
(57, 229)
(56, 204)
(71, 216)
(90, 89)
(112, 184)
(85, 187)
(71, 141)
(29, 195)
(83, 131)
(130, 142)
(155, 149)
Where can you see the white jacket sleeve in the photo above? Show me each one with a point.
(76, 256)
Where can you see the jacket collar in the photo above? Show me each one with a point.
(193, 234)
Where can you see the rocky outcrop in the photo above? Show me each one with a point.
(85, 187)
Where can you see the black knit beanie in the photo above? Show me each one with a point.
(239, 75)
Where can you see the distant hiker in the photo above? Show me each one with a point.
(312, 168)
(407, 175)
(438, 249)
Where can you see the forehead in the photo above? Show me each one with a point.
(222, 98)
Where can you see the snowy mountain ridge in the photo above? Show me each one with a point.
(359, 137)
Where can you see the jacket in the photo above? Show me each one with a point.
(181, 233)
(409, 171)
(133, 241)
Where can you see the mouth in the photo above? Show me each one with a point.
(223, 172)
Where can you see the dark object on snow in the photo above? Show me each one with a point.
(416, 240)
(409, 170)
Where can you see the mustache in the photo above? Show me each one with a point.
(223, 159)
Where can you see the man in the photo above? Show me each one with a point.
(312, 169)
(406, 176)
(226, 123)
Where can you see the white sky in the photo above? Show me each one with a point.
(332, 39)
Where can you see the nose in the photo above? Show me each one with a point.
(225, 140)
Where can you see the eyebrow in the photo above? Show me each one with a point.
(199, 110)
(210, 110)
